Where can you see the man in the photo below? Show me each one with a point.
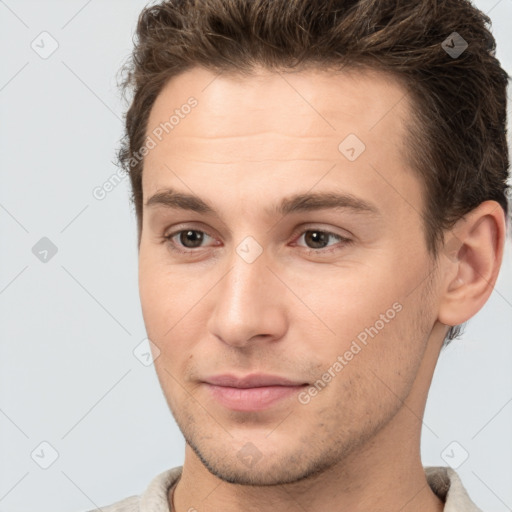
(320, 193)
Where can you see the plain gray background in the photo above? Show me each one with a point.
(69, 377)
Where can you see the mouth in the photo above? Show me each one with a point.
(254, 392)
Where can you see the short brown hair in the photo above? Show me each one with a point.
(456, 138)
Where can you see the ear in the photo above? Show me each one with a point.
(472, 256)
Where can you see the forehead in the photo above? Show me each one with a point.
(324, 102)
(284, 126)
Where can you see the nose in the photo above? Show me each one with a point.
(249, 303)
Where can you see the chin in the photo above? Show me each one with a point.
(248, 466)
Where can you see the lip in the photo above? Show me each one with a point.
(254, 392)
(254, 380)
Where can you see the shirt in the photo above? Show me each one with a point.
(444, 481)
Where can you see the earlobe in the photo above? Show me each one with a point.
(472, 258)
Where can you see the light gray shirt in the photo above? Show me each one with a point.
(444, 481)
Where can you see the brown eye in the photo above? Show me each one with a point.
(192, 237)
(318, 239)
(187, 240)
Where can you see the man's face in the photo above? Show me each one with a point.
(263, 291)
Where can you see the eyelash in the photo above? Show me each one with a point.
(346, 241)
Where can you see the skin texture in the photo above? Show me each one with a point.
(249, 143)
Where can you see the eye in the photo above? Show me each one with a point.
(189, 238)
(188, 241)
(318, 239)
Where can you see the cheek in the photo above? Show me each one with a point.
(160, 295)
(368, 317)
(164, 290)
(350, 301)
(170, 303)
(152, 296)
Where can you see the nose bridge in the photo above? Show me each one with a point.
(247, 302)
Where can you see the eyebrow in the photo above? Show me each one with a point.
(302, 202)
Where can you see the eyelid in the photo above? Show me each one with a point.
(187, 227)
(318, 227)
